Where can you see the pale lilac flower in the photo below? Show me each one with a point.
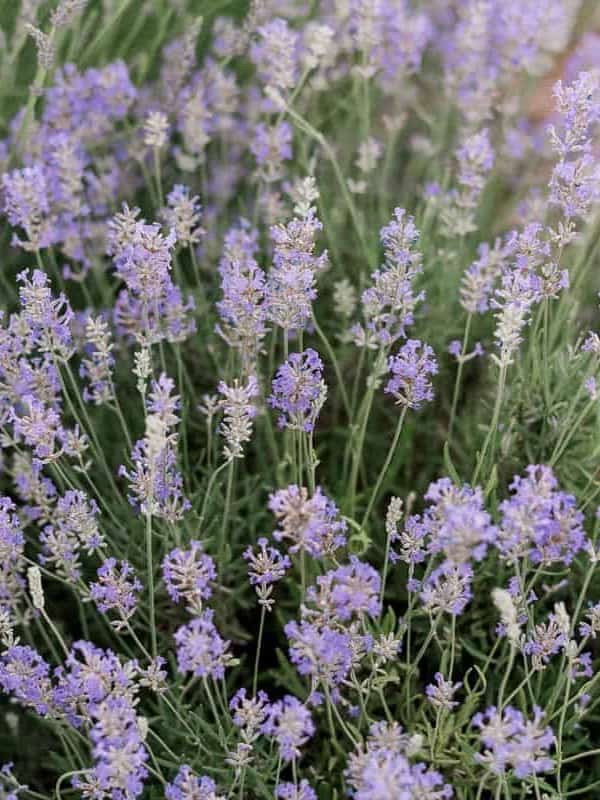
(188, 786)
(242, 308)
(117, 590)
(350, 590)
(410, 369)
(266, 565)
(188, 575)
(249, 713)
(303, 791)
(539, 520)
(513, 742)
(183, 214)
(311, 524)
(26, 203)
(299, 391)
(441, 693)
(26, 675)
(239, 410)
(448, 589)
(324, 653)
(290, 287)
(289, 722)
(73, 528)
(388, 305)
(200, 648)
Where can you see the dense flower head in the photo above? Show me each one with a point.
(382, 769)
(448, 589)
(266, 564)
(188, 786)
(275, 54)
(512, 741)
(239, 409)
(155, 483)
(26, 675)
(116, 590)
(482, 275)
(242, 308)
(182, 215)
(188, 574)
(289, 722)
(410, 369)
(118, 751)
(271, 146)
(388, 305)
(540, 520)
(547, 639)
(49, 317)
(299, 391)
(150, 308)
(12, 553)
(290, 287)
(350, 590)
(441, 693)
(573, 184)
(73, 529)
(249, 713)
(455, 523)
(302, 791)
(26, 203)
(200, 648)
(310, 523)
(321, 651)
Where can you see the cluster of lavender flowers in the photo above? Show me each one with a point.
(299, 373)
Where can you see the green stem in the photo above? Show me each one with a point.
(384, 469)
(258, 648)
(150, 578)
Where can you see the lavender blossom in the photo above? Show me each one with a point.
(350, 590)
(183, 214)
(441, 693)
(154, 481)
(238, 412)
(116, 589)
(303, 791)
(188, 575)
(299, 391)
(73, 529)
(290, 287)
(540, 521)
(289, 722)
(389, 304)
(410, 368)
(242, 308)
(447, 590)
(26, 203)
(188, 786)
(309, 523)
(200, 648)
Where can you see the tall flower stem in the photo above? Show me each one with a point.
(490, 439)
(384, 469)
(225, 522)
(150, 578)
(459, 372)
(261, 628)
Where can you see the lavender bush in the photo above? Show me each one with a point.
(299, 400)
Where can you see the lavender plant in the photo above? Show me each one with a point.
(299, 385)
